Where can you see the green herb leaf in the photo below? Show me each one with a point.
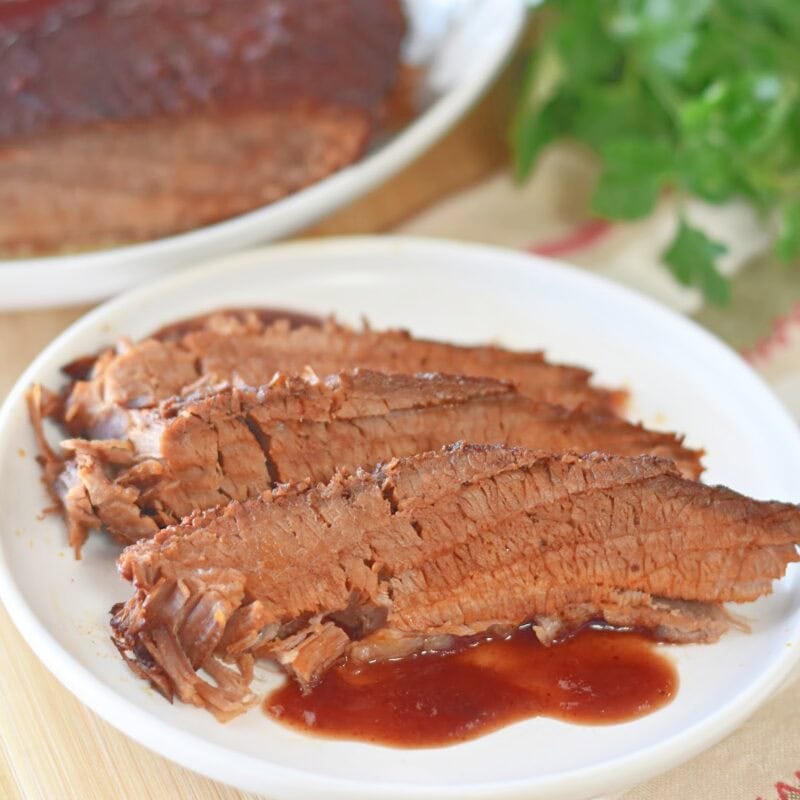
(707, 170)
(531, 133)
(641, 17)
(744, 113)
(650, 157)
(589, 56)
(788, 245)
(619, 196)
(702, 95)
(635, 170)
(692, 260)
(663, 34)
(535, 123)
(616, 111)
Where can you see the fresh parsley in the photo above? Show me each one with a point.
(701, 97)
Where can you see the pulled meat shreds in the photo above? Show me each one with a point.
(232, 444)
(241, 349)
(454, 543)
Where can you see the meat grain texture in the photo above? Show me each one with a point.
(463, 541)
(231, 444)
(243, 350)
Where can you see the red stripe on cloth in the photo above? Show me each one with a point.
(587, 234)
(766, 347)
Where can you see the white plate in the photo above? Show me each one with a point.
(680, 376)
(460, 43)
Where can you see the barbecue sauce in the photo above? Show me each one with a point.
(595, 677)
(19, 12)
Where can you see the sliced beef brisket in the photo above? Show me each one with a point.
(450, 543)
(243, 350)
(232, 444)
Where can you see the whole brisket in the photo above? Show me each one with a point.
(246, 351)
(458, 542)
(123, 120)
(232, 444)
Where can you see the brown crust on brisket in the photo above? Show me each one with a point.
(226, 55)
(179, 114)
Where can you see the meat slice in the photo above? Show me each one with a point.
(242, 349)
(232, 444)
(167, 176)
(451, 543)
(121, 121)
(677, 621)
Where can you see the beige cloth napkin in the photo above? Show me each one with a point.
(761, 760)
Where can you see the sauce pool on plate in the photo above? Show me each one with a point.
(595, 677)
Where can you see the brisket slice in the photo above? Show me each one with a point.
(246, 351)
(458, 542)
(120, 183)
(232, 444)
(127, 120)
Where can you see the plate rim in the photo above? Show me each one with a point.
(215, 761)
(300, 208)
